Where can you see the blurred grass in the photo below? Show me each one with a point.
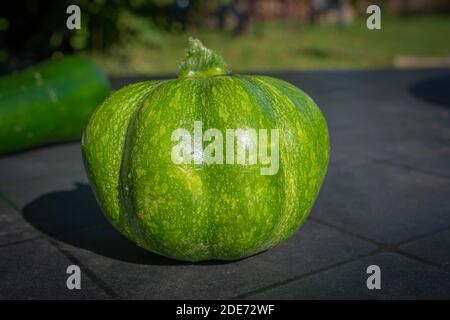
(280, 46)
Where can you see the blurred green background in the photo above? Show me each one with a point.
(129, 37)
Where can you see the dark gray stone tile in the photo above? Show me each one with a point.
(21, 193)
(384, 203)
(434, 161)
(381, 115)
(401, 278)
(55, 204)
(63, 210)
(135, 273)
(63, 159)
(37, 270)
(435, 248)
(13, 227)
(416, 138)
(51, 205)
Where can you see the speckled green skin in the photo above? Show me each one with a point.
(204, 212)
(49, 103)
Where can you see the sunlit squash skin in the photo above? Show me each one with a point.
(196, 212)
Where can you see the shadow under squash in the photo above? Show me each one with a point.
(435, 90)
(74, 217)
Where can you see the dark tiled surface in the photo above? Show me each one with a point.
(62, 160)
(13, 228)
(37, 270)
(385, 201)
(439, 243)
(144, 275)
(402, 278)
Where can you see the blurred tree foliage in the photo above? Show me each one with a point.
(32, 30)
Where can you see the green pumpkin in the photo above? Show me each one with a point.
(222, 207)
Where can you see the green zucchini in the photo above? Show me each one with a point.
(49, 103)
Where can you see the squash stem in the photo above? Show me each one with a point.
(201, 62)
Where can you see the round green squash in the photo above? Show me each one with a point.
(197, 208)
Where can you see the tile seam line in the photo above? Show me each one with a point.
(347, 232)
(90, 273)
(111, 293)
(379, 244)
(5, 198)
(336, 265)
(10, 244)
(421, 260)
(303, 276)
(423, 236)
(43, 235)
(391, 163)
(394, 248)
